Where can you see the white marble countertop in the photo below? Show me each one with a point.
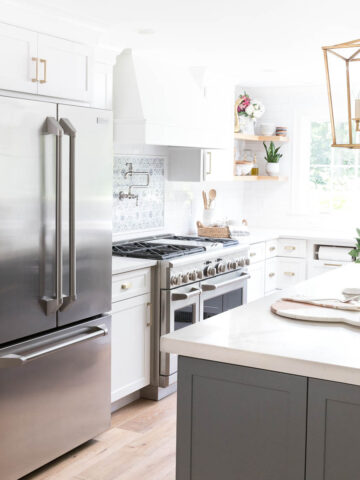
(253, 336)
(127, 264)
(262, 235)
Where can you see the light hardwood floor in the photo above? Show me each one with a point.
(140, 445)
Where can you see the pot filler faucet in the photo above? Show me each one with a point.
(129, 194)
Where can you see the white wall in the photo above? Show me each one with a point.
(270, 204)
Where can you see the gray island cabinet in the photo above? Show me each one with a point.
(262, 397)
(241, 423)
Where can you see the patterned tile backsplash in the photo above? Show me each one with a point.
(148, 212)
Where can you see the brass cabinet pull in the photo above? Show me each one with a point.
(252, 254)
(289, 274)
(272, 249)
(36, 60)
(290, 247)
(332, 264)
(148, 321)
(271, 274)
(126, 286)
(42, 60)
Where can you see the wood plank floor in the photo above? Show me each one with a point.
(140, 445)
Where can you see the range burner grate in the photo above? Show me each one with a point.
(153, 251)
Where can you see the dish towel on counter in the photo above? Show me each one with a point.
(337, 304)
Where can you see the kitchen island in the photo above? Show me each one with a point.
(261, 397)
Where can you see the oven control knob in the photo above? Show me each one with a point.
(247, 261)
(241, 262)
(193, 275)
(231, 265)
(185, 278)
(221, 267)
(211, 271)
(199, 274)
(175, 280)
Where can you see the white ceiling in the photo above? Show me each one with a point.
(261, 42)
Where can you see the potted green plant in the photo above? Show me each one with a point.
(355, 252)
(272, 158)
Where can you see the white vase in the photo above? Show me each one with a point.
(272, 169)
(246, 125)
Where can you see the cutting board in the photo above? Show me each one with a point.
(301, 311)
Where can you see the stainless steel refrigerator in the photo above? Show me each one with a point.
(55, 280)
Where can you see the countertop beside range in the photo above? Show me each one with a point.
(262, 235)
(252, 336)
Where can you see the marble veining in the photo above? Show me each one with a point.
(148, 212)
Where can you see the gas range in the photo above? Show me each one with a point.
(186, 259)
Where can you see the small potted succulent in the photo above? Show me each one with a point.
(355, 252)
(272, 158)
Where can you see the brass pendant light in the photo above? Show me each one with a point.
(347, 57)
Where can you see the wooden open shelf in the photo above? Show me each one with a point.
(256, 178)
(260, 138)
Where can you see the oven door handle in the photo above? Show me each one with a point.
(195, 292)
(214, 286)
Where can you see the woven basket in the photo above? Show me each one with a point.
(213, 232)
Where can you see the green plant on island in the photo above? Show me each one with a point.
(355, 252)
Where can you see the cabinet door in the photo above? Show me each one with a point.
(65, 68)
(217, 165)
(271, 275)
(18, 52)
(290, 272)
(130, 346)
(102, 88)
(256, 282)
(238, 423)
(333, 434)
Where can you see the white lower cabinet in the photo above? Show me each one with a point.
(290, 271)
(271, 275)
(256, 281)
(130, 345)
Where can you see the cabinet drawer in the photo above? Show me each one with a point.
(131, 284)
(257, 252)
(271, 248)
(291, 248)
(271, 275)
(290, 272)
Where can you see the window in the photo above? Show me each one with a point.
(334, 173)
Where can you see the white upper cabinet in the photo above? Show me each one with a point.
(41, 64)
(102, 86)
(199, 165)
(64, 68)
(18, 58)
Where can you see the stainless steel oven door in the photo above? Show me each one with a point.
(180, 307)
(223, 293)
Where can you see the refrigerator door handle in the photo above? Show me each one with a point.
(20, 359)
(71, 132)
(52, 305)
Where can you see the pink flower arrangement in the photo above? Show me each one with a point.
(249, 107)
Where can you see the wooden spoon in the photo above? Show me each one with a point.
(205, 200)
(212, 196)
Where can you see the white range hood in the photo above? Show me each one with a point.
(158, 103)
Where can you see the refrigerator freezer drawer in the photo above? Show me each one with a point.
(54, 395)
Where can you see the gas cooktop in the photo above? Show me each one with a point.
(164, 247)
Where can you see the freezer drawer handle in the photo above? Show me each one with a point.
(185, 296)
(52, 305)
(17, 360)
(71, 132)
(214, 286)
